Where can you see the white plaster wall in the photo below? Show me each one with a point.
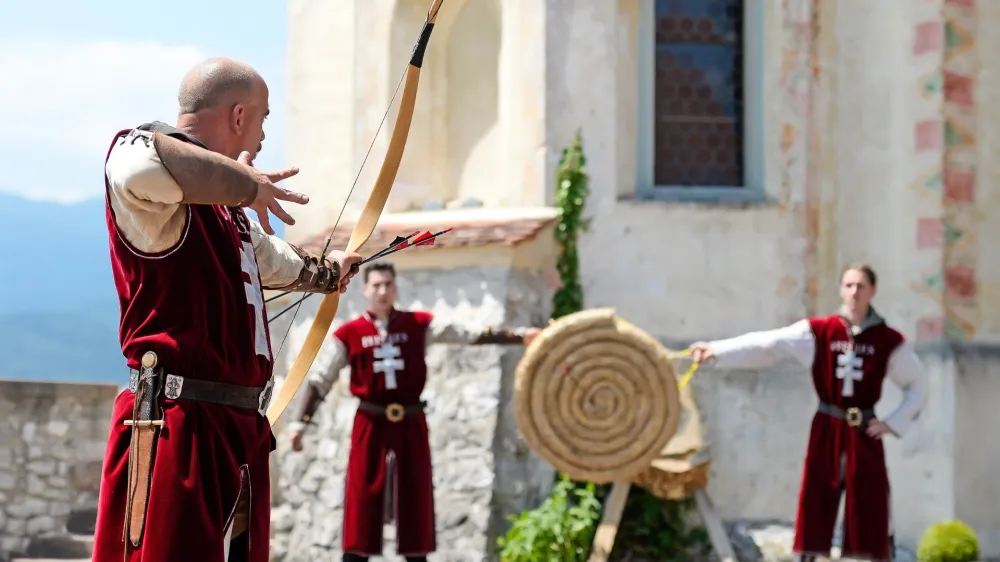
(686, 277)
(682, 271)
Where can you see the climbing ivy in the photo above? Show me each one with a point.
(572, 188)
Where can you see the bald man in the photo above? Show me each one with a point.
(185, 474)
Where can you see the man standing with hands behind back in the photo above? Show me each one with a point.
(850, 354)
(185, 475)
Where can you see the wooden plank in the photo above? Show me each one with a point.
(713, 524)
(614, 507)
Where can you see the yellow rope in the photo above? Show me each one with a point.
(691, 370)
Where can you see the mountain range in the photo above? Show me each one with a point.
(59, 317)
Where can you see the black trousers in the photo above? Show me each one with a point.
(349, 557)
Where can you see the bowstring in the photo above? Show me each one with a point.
(329, 239)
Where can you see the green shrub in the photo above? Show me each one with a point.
(949, 541)
(560, 530)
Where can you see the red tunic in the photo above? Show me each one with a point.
(374, 437)
(199, 306)
(840, 456)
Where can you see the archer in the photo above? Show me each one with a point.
(185, 473)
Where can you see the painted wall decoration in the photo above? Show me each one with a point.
(951, 43)
(799, 140)
(961, 253)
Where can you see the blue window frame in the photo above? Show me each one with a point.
(699, 129)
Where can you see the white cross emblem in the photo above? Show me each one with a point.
(388, 363)
(849, 370)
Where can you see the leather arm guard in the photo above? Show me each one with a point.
(315, 277)
(500, 336)
(310, 402)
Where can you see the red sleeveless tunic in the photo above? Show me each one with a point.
(848, 371)
(374, 437)
(199, 306)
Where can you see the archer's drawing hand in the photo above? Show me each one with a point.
(878, 429)
(296, 441)
(268, 194)
(349, 262)
(701, 352)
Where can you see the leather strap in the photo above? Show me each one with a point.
(391, 411)
(176, 387)
(855, 417)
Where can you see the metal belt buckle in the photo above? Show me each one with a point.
(853, 417)
(264, 400)
(394, 412)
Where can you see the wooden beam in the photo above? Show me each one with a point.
(713, 525)
(614, 508)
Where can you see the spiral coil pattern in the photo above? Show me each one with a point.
(596, 397)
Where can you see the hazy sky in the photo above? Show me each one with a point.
(73, 73)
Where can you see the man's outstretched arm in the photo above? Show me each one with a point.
(447, 332)
(760, 349)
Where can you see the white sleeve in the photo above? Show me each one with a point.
(144, 196)
(762, 349)
(330, 361)
(277, 262)
(906, 371)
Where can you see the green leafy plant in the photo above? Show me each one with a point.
(949, 541)
(572, 188)
(560, 530)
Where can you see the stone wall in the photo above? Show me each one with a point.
(483, 472)
(52, 440)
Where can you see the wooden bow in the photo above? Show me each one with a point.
(366, 223)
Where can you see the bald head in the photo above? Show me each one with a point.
(217, 83)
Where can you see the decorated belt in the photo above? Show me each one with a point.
(149, 384)
(392, 412)
(176, 387)
(855, 417)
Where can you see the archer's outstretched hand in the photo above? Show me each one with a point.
(701, 352)
(268, 194)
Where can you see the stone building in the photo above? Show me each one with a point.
(740, 154)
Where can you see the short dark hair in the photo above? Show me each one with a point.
(863, 268)
(379, 267)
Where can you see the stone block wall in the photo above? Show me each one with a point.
(52, 440)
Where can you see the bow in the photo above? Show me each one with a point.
(366, 223)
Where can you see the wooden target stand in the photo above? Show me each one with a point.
(598, 398)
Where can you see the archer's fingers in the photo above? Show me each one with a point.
(244, 158)
(264, 221)
(286, 195)
(280, 213)
(282, 175)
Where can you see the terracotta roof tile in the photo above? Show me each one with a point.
(469, 229)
